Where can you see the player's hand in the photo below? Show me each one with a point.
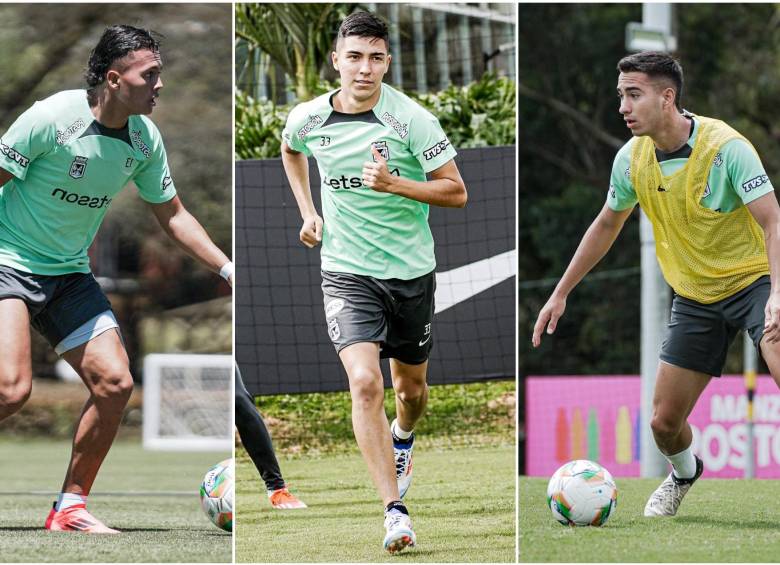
(311, 231)
(376, 176)
(548, 316)
(772, 319)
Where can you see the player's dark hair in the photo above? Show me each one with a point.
(115, 43)
(656, 65)
(364, 24)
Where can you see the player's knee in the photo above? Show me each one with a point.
(115, 385)
(14, 395)
(411, 393)
(664, 426)
(366, 387)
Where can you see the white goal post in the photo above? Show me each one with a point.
(188, 402)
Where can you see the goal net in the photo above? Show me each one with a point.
(188, 402)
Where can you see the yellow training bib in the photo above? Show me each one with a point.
(704, 255)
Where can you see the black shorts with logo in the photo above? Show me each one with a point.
(58, 304)
(395, 313)
(699, 335)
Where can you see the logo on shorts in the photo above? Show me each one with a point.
(333, 307)
(382, 149)
(426, 333)
(78, 167)
(333, 329)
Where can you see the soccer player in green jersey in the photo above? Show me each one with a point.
(374, 147)
(61, 164)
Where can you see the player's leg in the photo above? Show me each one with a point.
(15, 366)
(369, 422)
(257, 442)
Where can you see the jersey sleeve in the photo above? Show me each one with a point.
(621, 195)
(296, 121)
(745, 171)
(428, 143)
(31, 135)
(153, 179)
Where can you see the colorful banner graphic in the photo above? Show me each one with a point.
(597, 418)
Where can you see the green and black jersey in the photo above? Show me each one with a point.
(367, 232)
(67, 169)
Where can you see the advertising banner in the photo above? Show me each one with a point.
(597, 418)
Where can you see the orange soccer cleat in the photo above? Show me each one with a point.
(283, 499)
(76, 519)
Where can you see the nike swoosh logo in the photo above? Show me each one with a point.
(459, 284)
(424, 342)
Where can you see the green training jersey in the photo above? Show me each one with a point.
(66, 169)
(736, 177)
(367, 232)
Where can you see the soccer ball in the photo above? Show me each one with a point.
(582, 493)
(216, 494)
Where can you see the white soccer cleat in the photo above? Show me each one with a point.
(400, 534)
(667, 498)
(402, 453)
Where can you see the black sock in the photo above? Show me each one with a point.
(397, 505)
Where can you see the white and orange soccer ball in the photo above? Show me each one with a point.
(582, 493)
(216, 494)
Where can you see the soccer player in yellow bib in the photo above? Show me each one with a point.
(716, 223)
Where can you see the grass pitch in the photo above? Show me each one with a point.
(152, 497)
(461, 502)
(720, 520)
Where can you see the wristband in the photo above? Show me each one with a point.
(226, 271)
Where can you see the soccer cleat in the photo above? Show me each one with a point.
(402, 453)
(76, 519)
(400, 534)
(283, 499)
(667, 498)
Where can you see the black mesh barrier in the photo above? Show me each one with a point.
(282, 343)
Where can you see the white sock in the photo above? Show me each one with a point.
(68, 499)
(683, 463)
(399, 433)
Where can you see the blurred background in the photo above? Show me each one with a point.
(163, 300)
(458, 61)
(572, 131)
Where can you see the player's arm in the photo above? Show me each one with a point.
(445, 188)
(594, 245)
(296, 167)
(767, 213)
(186, 231)
(5, 176)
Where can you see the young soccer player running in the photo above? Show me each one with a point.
(61, 164)
(257, 442)
(374, 147)
(716, 223)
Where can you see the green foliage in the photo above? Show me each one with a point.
(297, 37)
(480, 413)
(477, 115)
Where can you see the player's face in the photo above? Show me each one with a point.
(139, 81)
(362, 62)
(641, 103)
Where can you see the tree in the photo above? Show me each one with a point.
(297, 37)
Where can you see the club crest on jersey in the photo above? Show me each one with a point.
(333, 329)
(78, 167)
(382, 149)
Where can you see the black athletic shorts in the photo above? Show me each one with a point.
(395, 313)
(58, 304)
(699, 335)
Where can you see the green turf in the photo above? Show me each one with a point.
(720, 520)
(165, 527)
(461, 503)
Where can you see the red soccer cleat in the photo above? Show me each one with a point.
(283, 499)
(76, 519)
